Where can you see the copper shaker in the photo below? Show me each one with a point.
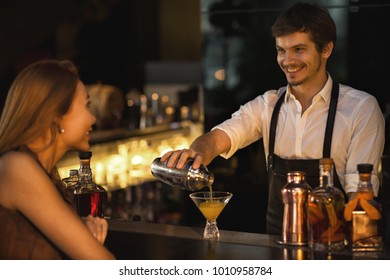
(295, 199)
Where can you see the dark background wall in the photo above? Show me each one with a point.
(109, 40)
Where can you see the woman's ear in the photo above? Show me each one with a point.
(59, 128)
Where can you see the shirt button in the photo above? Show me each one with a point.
(299, 141)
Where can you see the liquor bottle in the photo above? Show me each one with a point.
(71, 183)
(363, 215)
(326, 209)
(89, 197)
(187, 178)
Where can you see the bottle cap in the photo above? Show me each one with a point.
(73, 172)
(85, 155)
(365, 168)
(326, 163)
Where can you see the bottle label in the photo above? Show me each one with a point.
(363, 199)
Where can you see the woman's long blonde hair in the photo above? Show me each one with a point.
(38, 97)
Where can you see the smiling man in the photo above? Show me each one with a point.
(310, 118)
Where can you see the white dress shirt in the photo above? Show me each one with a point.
(358, 133)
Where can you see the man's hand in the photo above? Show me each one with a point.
(178, 158)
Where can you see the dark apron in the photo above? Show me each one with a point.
(278, 167)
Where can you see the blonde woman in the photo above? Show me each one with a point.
(45, 114)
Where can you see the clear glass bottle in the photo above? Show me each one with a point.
(363, 215)
(186, 178)
(326, 209)
(71, 182)
(89, 197)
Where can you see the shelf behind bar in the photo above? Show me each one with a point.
(103, 136)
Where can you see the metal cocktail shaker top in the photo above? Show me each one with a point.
(186, 178)
(295, 198)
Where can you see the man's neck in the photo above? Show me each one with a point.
(305, 92)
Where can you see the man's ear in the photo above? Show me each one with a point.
(327, 50)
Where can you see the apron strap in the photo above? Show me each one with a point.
(272, 131)
(330, 120)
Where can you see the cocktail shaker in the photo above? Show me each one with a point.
(295, 199)
(186, 178)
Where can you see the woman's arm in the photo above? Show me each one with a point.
(28, 189)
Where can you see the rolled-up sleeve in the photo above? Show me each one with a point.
(245, 126)
(367, 142)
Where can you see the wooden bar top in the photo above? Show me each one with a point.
(150, 241)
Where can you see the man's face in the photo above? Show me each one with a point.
(299, 58)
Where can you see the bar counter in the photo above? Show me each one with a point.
(150, 241)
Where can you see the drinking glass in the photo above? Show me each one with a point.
(211, 205)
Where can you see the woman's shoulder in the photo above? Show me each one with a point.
(15, 154)
(15, 161)
(18, 170)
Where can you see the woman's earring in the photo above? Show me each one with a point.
(61, 130)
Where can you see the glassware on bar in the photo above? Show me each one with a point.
(71, 183)
(363, 215)
(211, 205)
(89, 197)
(326, 208)
(295, 199)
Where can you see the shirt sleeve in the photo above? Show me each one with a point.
(245, 125)
(367, 142)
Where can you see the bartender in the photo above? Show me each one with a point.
(310, 118)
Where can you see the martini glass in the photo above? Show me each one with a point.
(211, 205)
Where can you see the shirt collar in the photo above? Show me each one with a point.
(324, 93)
